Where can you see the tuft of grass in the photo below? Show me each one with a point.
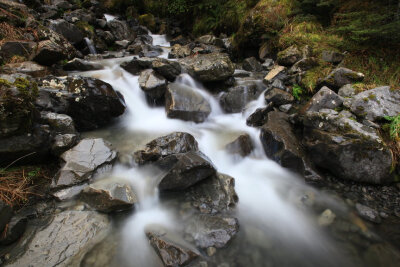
(297, 91)
(394, 127)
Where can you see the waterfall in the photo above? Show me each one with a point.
(90, 45)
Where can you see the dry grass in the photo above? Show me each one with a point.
(9, 32)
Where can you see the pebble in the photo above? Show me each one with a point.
(326, 218)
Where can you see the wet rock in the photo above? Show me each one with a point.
(332, 57)
(108, 195)
(268, 64)
(278, 97)
(178, 51)
(289, 56)
(174, 143)
(340, 77)
(137, 64)
(181, 40)
(65, 239)
(18, 48)
(153, 84)
(184, 170)
(326, 218)
(171, 250)
(285, 108)
(212, 231)
(121, 30)
(91, 103)
(168, 69)
(209, 67)
(68, 30)
(15, 229)
(27, 67)
(252, 64)
(69, 193)
(324, 98)
(59, 123)
(346, 148)
(259, 117)
(49, 53)
(209, 40)
(106, 36)
(376, 103)
(182, 102)
(63, 142)
(241, 145)
(347, 91)
(275, 73)
(368, 214)
(236, 98)
(78, 64)
(6, 213)
(83, 161)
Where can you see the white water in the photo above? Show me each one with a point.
(90, 45)
(109, 17)
(266, 191)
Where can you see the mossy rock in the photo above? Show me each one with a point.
(148, 21)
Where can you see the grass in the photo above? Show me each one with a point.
(394, 127)
(297, 91)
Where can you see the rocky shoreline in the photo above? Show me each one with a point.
(335, 138)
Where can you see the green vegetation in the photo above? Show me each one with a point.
(85, 27)
(297, 91)
(394, 127)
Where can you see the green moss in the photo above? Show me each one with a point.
(148, 21)
(85, 27)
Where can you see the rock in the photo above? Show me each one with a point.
(278, 97)
(346, 148)
(209, 40)
(49, 53)
(211, 251)
(78, 64)
(174, 143)
(27, 67)
(236, 98)
(65, 239)
(59, 123)
(252, 64)
(376, 103)
(106, 36)
(268, 64)
(326, 218)
(212, 231)
(121, 30)
(68, 30)
(259, 117)
(368, 214)
(83, 161)
(289, 56)
(122, 44)
(324, 98)
(168, 69)
(274, 74)
(178, 51)
(15, 229)
(90, 102)
(171, 250)
(137, 64)
(340, 77)
(69, 193)
(209, 67)
(347, 91)
(184, 170)
(332, 57)
(280, 144)
(182, 102)
(109, 195)
(18, 48)
(303, 65)
(63, 142)
(6, 213)
(264, 51)
(181, 40)
(148, 21)
(285, 108)
(153, 84)
(277, 83)
(241, 145)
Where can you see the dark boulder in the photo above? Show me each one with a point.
(71, 32)
(137, 64)
(241, 145)
(278, 97)
(121, 30)
(153, 85)
(236, 98)
(252, 64)
(340, 77)
(168, 69)
(259, 116)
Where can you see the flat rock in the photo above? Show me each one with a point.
(27, 67)
(78, 64)
(274, 74)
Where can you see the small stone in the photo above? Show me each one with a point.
(326, 218)
(285, 108)
(211, 251)
(368, 214)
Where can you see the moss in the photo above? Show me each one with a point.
(148, 21)
(85, 27)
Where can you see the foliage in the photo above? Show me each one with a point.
(297, 91)
(394, 128)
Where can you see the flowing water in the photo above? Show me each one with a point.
(276, 229)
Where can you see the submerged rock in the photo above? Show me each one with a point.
(83, 161)
(182, 102)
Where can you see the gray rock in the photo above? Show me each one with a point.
(209, 67)
(19, 48)
(178, 51)
(285, 108)
(174, 143)
(122, 44)
(368, 214)
(332, 57)
(340, 77)
(268, 64)
(252, 64)
(278, 84)
(278, 97)
(69, 193)
(109, 195)
(264, 51)
(182, 102)
(68, 30)
(376, 103)
(83, 161)
(275, 73)
(347, 91)
(346, 148)
(153, 84)
(236, 98)
(241, 145)
(212, 231)
(63, 142)
(184, 170)
(49, 53)
(289, 56)
(65, 239)
(259, 117)
(59, 123)
(137, 64)
(78, 64)
(168, 69)
(303, 65)
(325, 98)
(210, 40)
(27, 67)
(121, 30)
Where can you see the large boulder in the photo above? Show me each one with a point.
(179, 51)
(252, 64)
(136, 65)
(91, 103)
(71, 32)
(347, 148)
(209, 67)
(236, 99)
(289, 56)
(168, 69)
(18, 48)
(174, 143)
(183, 102)
(242, 145)
(340, 77)
(278, 97)
(153, 85)
(324, 98)
(184, 170)
(88, 158)
(59, 123)
(376, 103)
(65, 239)
(260, 116)
(121, 30)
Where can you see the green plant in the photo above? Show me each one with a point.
(394, 126)
(297, 91)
